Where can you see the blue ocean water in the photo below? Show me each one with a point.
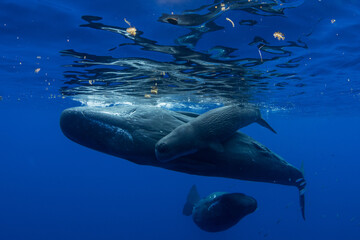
(60, 54)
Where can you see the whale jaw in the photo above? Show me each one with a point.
(96, 130)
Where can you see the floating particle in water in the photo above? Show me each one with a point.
(154, 89)
(147, 96)
(128, 23)
(223, 8)
(131, 29)
(228, 19)
(333, 20)
(259, 49)
(279, 36)
(37, 70)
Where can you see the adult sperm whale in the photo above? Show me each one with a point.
(208, 130)
(131, 132)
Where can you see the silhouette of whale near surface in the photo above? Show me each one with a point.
(131, 132)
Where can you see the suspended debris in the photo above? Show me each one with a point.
(131, 30)
(228, 19)
(279, 36)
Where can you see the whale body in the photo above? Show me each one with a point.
(130, 132)
(219, 211)
(208, 130)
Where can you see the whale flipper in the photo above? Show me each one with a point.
(263, 123)
(192, 198)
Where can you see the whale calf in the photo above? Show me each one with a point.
(130, 132)
(219, 211)
(208, 130)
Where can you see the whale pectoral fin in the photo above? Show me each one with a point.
(263, 123)
(216, 146)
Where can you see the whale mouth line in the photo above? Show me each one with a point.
(116, 130)
(91, 117)
(173, 157)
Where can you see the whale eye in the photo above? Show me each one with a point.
(162, 147)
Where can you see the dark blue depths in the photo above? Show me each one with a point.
(52, 188)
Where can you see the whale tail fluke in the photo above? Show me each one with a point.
(263, 123)
(192, 198)
(302, 204)
(301, 188)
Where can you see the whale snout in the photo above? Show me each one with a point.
(241, 203)
(162, 148)
(162, 151)
(97, 129)
(70, 122)
(77, 125)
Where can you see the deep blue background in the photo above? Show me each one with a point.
(52, 188)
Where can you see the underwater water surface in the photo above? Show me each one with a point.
(297, 61)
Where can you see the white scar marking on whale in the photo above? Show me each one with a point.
(117, 130)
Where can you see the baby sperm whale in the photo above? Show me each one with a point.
(219, 211)
(208, 130)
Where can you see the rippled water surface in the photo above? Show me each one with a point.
(184, 53)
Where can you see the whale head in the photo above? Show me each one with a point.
(176, 144)
(220, 211)
(98, 129)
